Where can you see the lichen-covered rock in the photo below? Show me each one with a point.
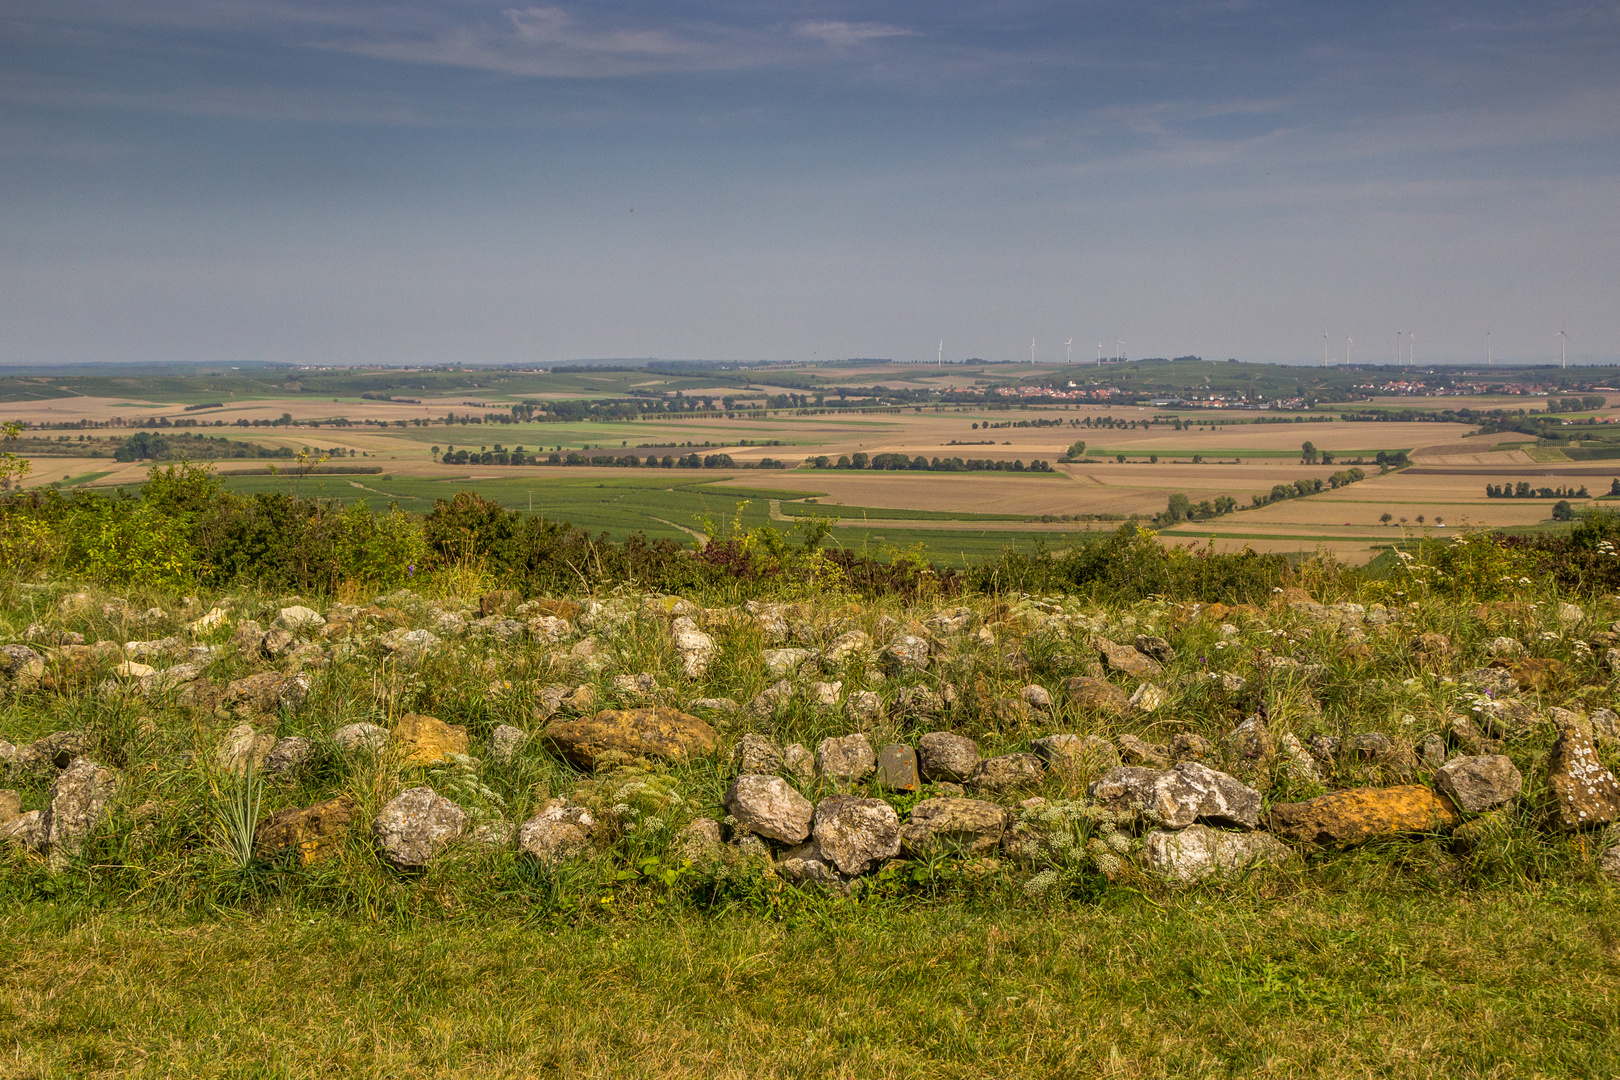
(427, 740)
(618, 735)
(299, 619)
(1583, 793)
(355, 737)
(907, 652)
(267, 692)
(409, 644)
(19, 663)
(1098, 695)
(1075, 754)
(845, 760)
(969, 826)
(799, 762)
(1127, 660)
(1148, 698)
(1156, 648)
(699, 841)
(854, 644)
(505, 742)
(785, 663)
(769, 806)
(78, 799)
(1344, 818)
(944, 755)
(696, 649)
(316, 832)
(25, 830)
(825, 694)
(767, 701)
(557, 832)
(1477, 784)
(1007, 772)
(1178, 797)
(854, 834)
(244, 747)
(1036, 697)
(1134, 751)
(757, 755)
(287, 756)
(416, 826)
(1198, 851)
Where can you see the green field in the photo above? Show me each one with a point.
(667, 505)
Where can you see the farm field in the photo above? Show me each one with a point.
(961, 515)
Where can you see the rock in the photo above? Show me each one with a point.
(549, 629)
(55, 751)
(175, 677)
(785, 663)
(267, 692)
(1583, 793)
(1570, 614)
(1097, 695)
(1605, 724)
(847, 646)
(1477, 784)
(244, 747)
(78, 799)
(1431, 751)
(811, 871)
(1355, 816)
(1198, 852)
(1176, 798)
(426, 740)
(845, 760)
(757, 755)
(767, 701)
(907, 652)
(1134, 751)
(416, 826)
(967, 826)
(616, 735)
(287, 756)
(1432, 648)
(1126, 660)
(919, 702)
(505, 742)
(1075, 755)
(277, 643)
(352, 737)
(314, 831)
(299, 620)
(1189, 746)
(134, 671)
(1156, 648)
(409, 644)
(799, 762)
(897, 768)
(1148, 698)
(20, 663)
(696, 648)
(942, 755)
(699, 841)
(856, 834)
(825, 694)
(1248, 748)
(10, 806)
(770, 807)
(25, 830)
(1297, 762)
(1036, 697)
(715, 704)
(1007, 772)
(589, 655)
(558, 832)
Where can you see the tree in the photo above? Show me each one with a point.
(1385, 518)
(1179, 509)
(12, 467)
(1420, 519)
(1307, 453)
(1563, 511)
(1078, 449)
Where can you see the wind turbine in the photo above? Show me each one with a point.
(1068, 351)
(1117, 344)
(1563, 348)
(1400, 337)
(1032, 350)
(1348, 341)
(1487, 348)
(1324, 348)
(941, 362)
(1099, 354)
(1412, 356)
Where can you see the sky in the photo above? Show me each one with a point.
(359, 181)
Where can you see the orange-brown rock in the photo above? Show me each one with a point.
(1361, 814)
(316, 831)
(1098, 694)
(617, 735)
(559, 609)
(427, 740)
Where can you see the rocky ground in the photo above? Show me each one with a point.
(837, 747)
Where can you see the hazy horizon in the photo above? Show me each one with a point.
(197, 181)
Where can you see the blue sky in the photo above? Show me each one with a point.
(354, 182)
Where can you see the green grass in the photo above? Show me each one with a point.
(1184, 454)
(1501, 983)
(856, 513)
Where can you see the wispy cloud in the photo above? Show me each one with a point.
(846, 35)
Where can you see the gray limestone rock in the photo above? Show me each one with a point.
(769, 806)
(505, 742)
(855, 835)
(943, 755)
(845, 760)
(287, 756)
(1007, 772)
(354, 737)
(1477, 784)
(416, 826)
(757, 755)
(558, 832)
(971, 826)
(78, 799)
(1196, 852)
